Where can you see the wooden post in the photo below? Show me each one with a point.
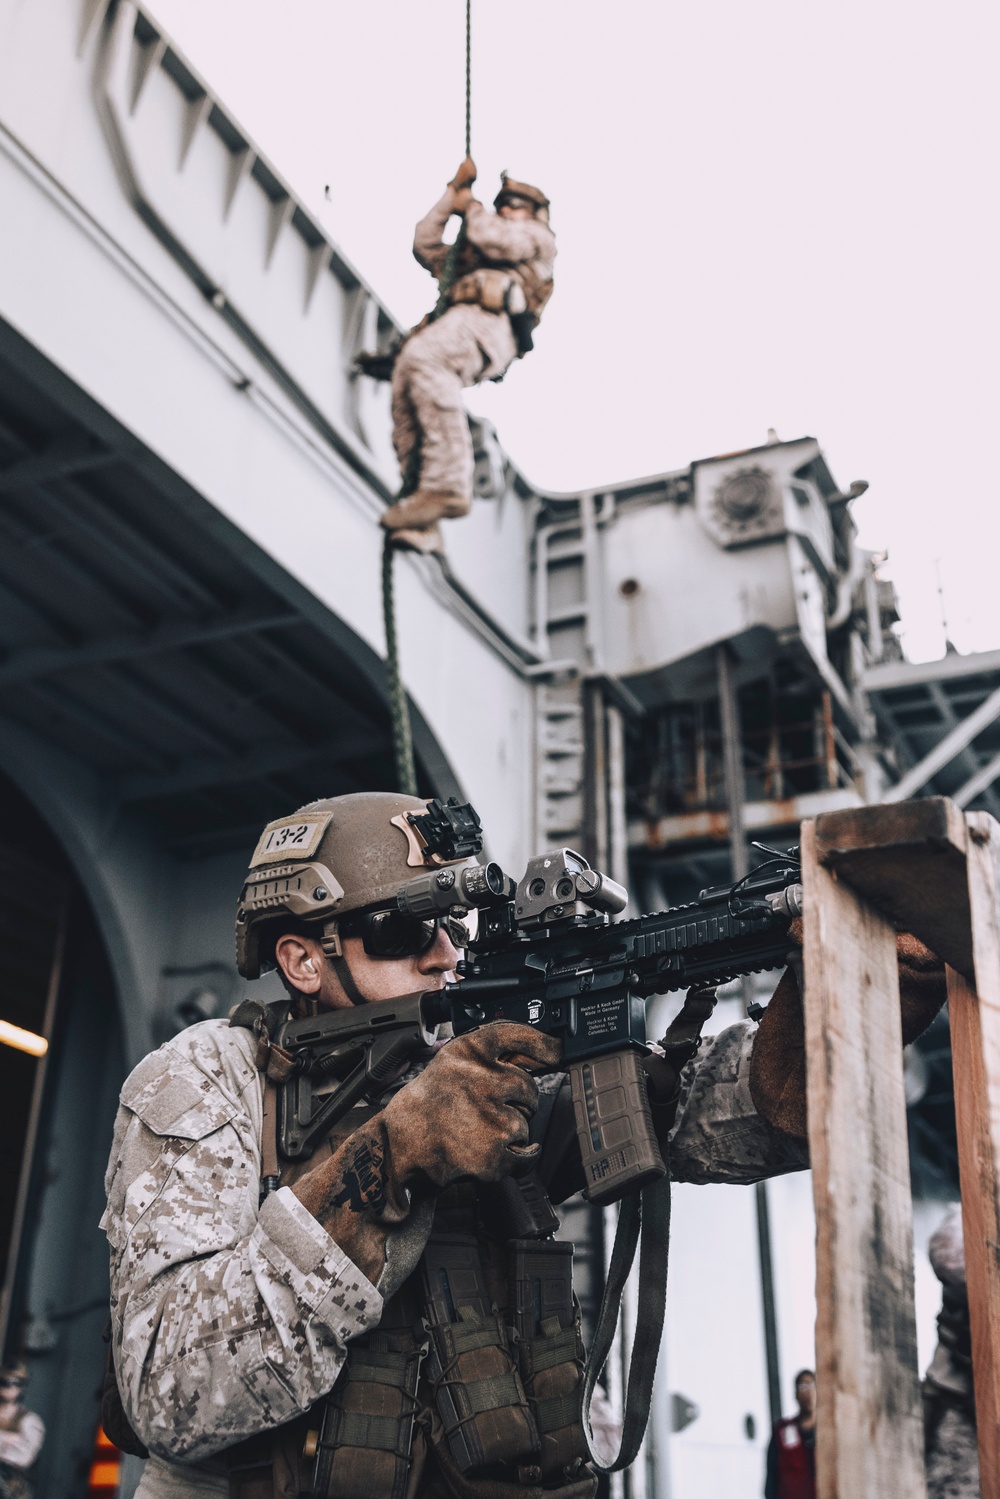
(869, 1429)
(936, 873)
(974, 1012)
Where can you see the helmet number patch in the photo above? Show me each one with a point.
(291, 838)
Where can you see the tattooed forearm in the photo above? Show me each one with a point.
(362, 1183)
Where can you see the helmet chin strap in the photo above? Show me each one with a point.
(341, 968)
(334, 954)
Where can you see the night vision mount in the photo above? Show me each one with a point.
(448, 830)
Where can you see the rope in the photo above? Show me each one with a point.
(468, 77)
(402, 737)
(402, 734)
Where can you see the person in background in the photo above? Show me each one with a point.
(949, 1399)
(21, 1435)
(791, 1456)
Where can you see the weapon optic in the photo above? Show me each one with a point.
(547, 954)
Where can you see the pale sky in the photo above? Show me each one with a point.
(770, 213)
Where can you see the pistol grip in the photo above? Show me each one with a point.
(615, 1129)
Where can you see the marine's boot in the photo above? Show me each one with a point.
(423, 508)
(426, 539)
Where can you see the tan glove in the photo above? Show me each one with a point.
(465, 1115)
(778, 1059)
(466, 174)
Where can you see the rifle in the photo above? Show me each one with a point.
(547, 955)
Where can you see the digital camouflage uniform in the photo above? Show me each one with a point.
(465, 345)
(228, 1321)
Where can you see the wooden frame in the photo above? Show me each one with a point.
(923, 867)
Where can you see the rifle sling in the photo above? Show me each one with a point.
(643, 1221)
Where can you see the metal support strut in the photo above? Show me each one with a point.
(732, 756)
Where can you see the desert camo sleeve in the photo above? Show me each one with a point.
(717, 1136)
(225, 1321)
(429, 247)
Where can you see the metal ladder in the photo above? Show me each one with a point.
(578, 728)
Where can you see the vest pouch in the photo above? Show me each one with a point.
(508, 1486)
(363, 1451)
(550, 1351)
(487, 287)
(472, 1369)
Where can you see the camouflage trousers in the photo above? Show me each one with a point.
(433, 367)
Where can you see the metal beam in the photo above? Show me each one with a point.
(114, 534)
(63, 456)
(72, 708)
(128, 553)
(944, 752)
(199, 772)
(208, 841)
(662, 833)
(154, 703)
(341, 694)
(45, 661)
(965, 764)
(214, 840)
(338, 711)
(892, 674)
(978, 783)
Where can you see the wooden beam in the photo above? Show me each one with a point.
(870, 1423)
(974, 1012)
(908, 859)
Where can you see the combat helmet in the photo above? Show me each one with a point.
(511, 188)
(341, 854)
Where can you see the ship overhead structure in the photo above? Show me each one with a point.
(638, 588)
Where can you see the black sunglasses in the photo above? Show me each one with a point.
(395, 934)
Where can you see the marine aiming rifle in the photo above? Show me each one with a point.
(548, 955)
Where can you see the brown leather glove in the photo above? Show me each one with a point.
(465, 1115)
(466, 174)
(778, 1060)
